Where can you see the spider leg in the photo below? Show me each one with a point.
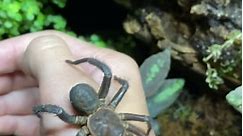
(61, 113)
(136, 117)
(84, 131)
(105, 85)
(119, 95)
(133, 129)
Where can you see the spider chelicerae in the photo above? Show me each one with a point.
(96, 117)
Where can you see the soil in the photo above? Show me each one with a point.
(206, 115)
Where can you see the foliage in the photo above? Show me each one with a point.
(95, 39)
(234, 98)
(60, 3)
(122, 43)
(204, 115)
(160, 92)
(215, 56)
(98, 41)
(17, 17)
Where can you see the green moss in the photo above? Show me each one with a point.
(17, 17)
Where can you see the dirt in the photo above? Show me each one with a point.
(206, 115)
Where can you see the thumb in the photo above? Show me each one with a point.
(44, 59)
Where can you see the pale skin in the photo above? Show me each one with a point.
(33, 71)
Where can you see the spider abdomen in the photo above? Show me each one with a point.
(105, 122)
(84, 98)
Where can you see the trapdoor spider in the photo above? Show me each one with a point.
(98, 118)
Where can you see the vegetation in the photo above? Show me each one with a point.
(160, 92)
(234, 98)
(224, 66)
(18, 17)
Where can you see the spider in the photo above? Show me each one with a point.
(98, 118)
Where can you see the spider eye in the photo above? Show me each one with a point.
(84, 98)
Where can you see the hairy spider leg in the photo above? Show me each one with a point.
(137, 117)
(119, 95)
(84, 131)
(133, 129)
(105, 85)
(61, 113)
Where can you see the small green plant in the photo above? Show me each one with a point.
(21, 16)
(97, 40)
(234, 98)
(222, 66)
(160, 92)
(122, 43)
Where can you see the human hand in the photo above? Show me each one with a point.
(33, 71)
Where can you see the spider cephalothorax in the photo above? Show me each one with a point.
(98, 118)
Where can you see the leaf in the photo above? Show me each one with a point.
(234, 98)
(155, 126)
(165, 96)
(58, 22)
(154, 70)
(14, 8)
(98, 41)
(38, 23)
(8, 24)
(31, 9)
(60, 3)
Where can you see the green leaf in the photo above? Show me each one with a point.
(14, 6)
(2, 14)
(234, 34)
(13, 10)
(38, 23)
(234, 98)
(60, 3)
(31, 9)
(165, 96)
(8, 24)
(94, 38)
(213, 79)
(154, 70)
(98, 41)
(155, 126)
(21, 16)
(58, 22)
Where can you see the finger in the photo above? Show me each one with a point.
(19, 125)
(51, 67)
(12, 50)
(45, 59)
(56, 76)
(61, 131)
(117, 62)
(15, 81)
(19, 102)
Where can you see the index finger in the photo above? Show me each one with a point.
(12, 50)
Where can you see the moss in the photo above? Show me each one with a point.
(18, 17)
